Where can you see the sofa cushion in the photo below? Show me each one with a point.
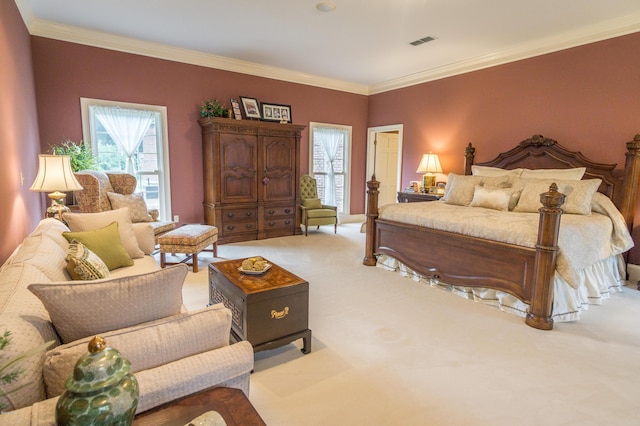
(147, 345)
(106, 243)
(134, 202)
(83, 264)
(146, 236)
(84, 308)
(43, 253)
(88, 221)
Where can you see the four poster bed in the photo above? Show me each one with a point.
(497, 235)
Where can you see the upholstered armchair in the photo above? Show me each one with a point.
(108, 191)
(314, 213)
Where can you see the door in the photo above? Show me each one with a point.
(238, 154)
(385, 150)
(277, 176)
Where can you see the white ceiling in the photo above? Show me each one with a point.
(362, 46)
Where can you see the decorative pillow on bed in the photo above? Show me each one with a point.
(83, 264)
(579, 195)
(564, 174)
(493, 171)
(134, 202)
(492, 198)
(460, 188)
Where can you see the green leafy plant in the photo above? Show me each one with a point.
(10, 370)
(213, 108)
(81, 156)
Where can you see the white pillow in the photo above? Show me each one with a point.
(579, 195)
(493, 171)
(564, 174)
(79, 222)
(85, 308)
(492, 198)
(460, 188)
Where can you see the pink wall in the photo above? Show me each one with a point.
(65, 72)
(21, 209)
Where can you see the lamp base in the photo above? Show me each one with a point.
(57, 207)
(428, 180)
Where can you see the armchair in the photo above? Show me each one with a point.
(94, 196)
(314, 213)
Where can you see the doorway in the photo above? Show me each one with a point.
(384, 159)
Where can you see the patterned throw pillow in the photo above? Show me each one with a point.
(106, 243)
(83, 264)
(134, 202)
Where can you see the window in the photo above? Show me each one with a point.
(329, 152)
(131, 138)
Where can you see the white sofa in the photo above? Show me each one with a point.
(171, 356)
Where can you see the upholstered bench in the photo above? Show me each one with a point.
(189, 240)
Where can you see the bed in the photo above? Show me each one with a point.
(529, 269)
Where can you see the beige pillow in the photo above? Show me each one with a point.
(134, 202)
(89, 221)
(460, 188)
(147, 345)
(83, 264)
(493, 171)
(563, 174)
(579, 195)
(492, 198)
(85, 308)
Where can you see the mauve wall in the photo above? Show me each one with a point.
(65, 72)
(21, 209)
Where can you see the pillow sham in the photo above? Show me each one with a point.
(579, 195)
(492, 198)
(312, 203)
(134, 202)
(85, 308)
(564, 174)
(104, 242)
(493, 171)
(460, 188)
(83, 264)
(88, 221)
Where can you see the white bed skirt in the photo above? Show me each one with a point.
(601, 279)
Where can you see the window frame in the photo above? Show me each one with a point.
(164, 175)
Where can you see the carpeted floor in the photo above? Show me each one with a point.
(389, 351)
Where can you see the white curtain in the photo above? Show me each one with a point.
(127, 127)
(330, 139)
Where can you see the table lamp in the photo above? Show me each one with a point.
(429, 164)
(54, 176)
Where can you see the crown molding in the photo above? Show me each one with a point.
(48, 29)
(603, 31)
(42, 28)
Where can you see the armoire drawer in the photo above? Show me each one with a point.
(278, 211)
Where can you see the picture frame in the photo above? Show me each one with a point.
(251, 107)
(235, 107)
(276, 112)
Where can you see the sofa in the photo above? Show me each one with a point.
(173, 352)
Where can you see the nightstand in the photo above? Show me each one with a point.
(415, 197)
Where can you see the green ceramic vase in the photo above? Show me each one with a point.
(101, 391)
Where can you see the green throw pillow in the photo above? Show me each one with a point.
(104, 242)
(312, 203)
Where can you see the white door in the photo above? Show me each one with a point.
(384, 149)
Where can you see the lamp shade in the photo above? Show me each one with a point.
(430, 163)
(55, 174)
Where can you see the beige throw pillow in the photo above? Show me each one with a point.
(563, 174)
(579, 195)
(90, 221)
(492, 198)
(85, 308)
(493, 171)
(460, 188)
(134, 202)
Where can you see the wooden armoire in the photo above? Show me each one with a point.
(251, 172)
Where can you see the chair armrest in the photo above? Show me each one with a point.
(324, 206)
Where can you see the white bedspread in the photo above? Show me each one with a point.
(583, 240)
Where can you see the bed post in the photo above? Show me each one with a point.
(372, 215)
(469, 154)
(631, 181)
(539, 315)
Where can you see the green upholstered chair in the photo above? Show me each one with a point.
(314, 213)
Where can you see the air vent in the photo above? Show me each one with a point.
(422, 41)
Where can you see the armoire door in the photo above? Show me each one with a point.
(278, 179)
(238, 171)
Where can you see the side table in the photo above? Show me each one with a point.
(414, 197)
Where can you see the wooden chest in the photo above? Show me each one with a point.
(268, 310)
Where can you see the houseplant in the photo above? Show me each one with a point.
(213, 108)
(81, 155)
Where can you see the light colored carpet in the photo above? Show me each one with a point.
(389, 351)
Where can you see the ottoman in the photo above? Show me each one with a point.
(189, 240)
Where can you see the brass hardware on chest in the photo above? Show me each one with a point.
(272, 223)
(280, 314)
(230, 215)
(272, 211)
(287, 210)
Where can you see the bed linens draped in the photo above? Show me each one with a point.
(584, 240)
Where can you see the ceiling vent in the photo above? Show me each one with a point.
(422, 41)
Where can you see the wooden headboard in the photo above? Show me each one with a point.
(539, 152)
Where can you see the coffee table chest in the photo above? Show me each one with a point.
(268, 310)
